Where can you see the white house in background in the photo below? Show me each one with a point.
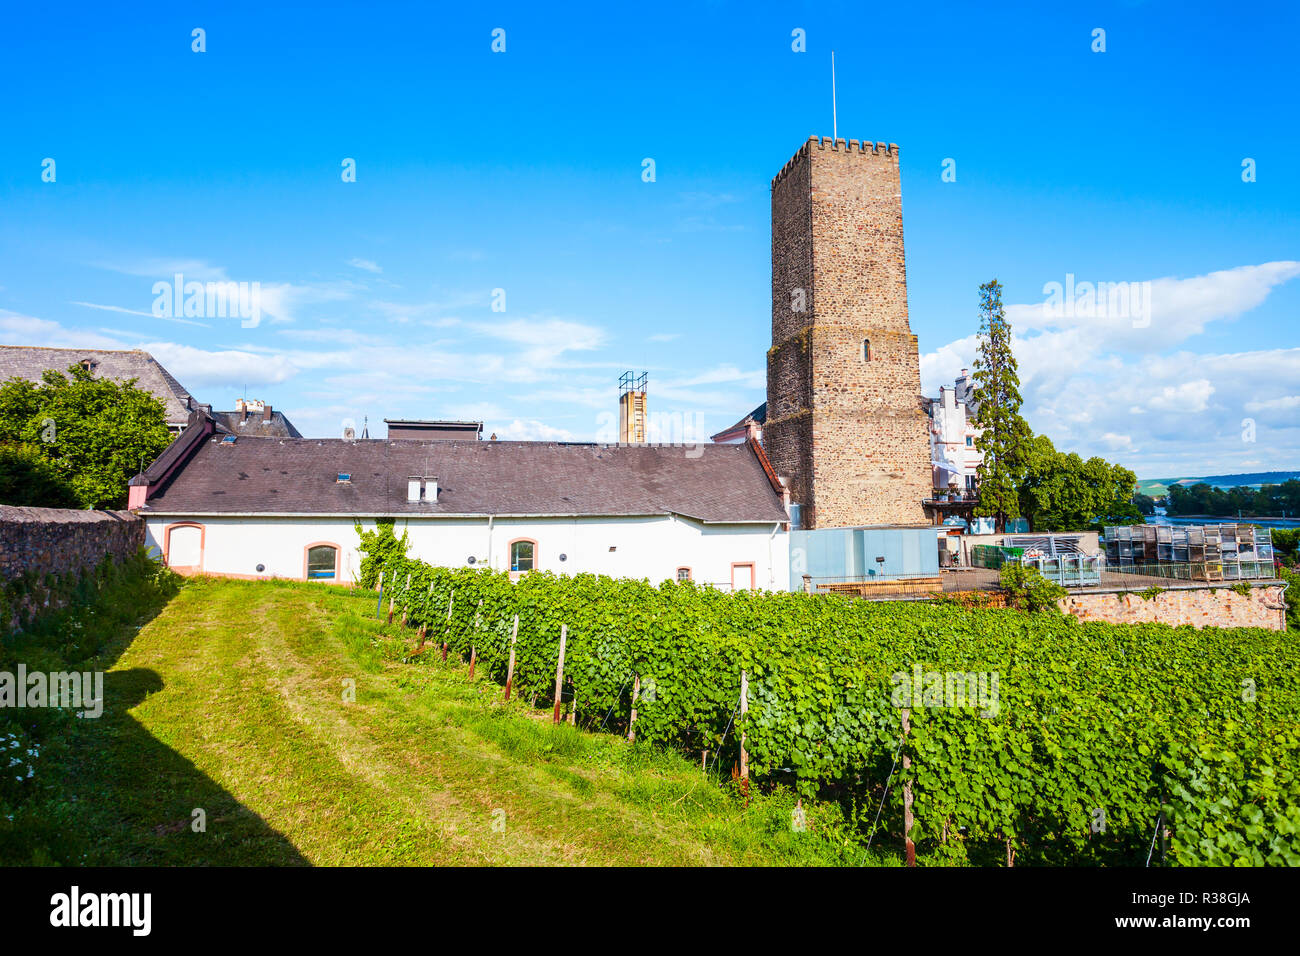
(287, 508)
(952, 436)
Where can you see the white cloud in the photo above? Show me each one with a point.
(1191, 396)
(1283, 404)
(20, 329)
(530, 429)
(231, 369)
(365, 264)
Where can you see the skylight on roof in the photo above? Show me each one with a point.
(228, 439)
(344, 477)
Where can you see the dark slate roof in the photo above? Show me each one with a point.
(713, 483)
(278, 427)
(28, 361)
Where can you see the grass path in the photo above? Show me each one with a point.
(232, 701)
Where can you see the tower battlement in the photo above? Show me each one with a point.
(851, 146)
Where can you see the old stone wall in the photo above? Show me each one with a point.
(1198, 606)
(844, 419)
(35, 542)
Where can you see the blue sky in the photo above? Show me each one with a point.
(522, 171)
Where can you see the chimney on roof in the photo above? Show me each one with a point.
(631, 408)
(249, 406)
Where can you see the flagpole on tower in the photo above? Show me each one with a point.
(835, 126)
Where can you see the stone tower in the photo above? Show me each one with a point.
(844, 422)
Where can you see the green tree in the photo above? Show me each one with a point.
(1063, 492)
(27, 477)
(93, 434)
(1005, 437)
(1145, 504)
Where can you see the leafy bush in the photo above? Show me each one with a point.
(1088, 717)
(1285, 542)
(1029, 589)
(93, 433)
(379, 546)
(28, 478)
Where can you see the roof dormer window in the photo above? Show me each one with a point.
(421, 490)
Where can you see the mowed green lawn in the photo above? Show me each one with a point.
(231, 701)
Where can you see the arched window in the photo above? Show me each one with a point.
(683, 574)
(866, 350)
(322, 561)
(523, 555)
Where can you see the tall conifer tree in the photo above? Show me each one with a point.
(1005, 438)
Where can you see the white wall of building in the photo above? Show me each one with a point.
(652, 547)
(952, 438)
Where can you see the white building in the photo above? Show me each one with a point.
(952, 437)
(288, 508)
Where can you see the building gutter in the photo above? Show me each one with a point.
(365, 515)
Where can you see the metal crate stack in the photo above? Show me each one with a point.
(1212, 552)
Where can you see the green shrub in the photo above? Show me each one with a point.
(1029, 589)
(379, 546)
(1285, 542)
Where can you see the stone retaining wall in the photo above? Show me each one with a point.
(1218, 606)
(57, 541)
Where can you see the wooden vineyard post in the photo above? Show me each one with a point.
(744, 754)
(636, 692)
(451, 600)
(907, 793)
(424, 628)
(407, 607)
(510, 670)
(473, 647)
(573, 706)
(392, 595)
(559, 673)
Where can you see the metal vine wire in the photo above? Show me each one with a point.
(613, 705)
(885, 795)
(1159, 819)
(718, 752)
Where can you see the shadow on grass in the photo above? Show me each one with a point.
(106, 791)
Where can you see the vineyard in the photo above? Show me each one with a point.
(1076, 744)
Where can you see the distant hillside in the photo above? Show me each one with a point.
(1160, 486)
